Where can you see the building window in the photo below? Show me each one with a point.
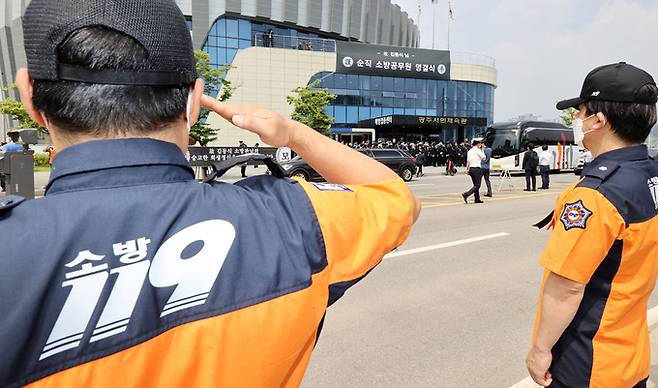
(366, 97)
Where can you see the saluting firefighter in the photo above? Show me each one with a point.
(601, 260)
(142, 276)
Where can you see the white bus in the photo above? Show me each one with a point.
(509, 140)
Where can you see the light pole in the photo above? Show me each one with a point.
(5, 118)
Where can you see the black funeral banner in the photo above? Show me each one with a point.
(207, 156)
(419, 121)
(391, 61)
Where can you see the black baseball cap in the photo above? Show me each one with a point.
(158, 25)
(618, 82)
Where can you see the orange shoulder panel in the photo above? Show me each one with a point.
(586, 225)
(361, 223)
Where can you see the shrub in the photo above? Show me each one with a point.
(41, 160)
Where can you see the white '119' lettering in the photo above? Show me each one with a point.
(193, 277)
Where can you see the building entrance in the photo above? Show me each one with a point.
(426, 128)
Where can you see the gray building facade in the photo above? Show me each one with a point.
(367, 21)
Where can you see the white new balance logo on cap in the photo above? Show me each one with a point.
(596, 94)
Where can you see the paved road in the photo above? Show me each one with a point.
(457, 316)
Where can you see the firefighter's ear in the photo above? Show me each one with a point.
(24, 85)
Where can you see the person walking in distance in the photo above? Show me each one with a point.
(530, 163)
(474, 159)
(243, 167)
(420, 161)
(486, 169)
(545, 163)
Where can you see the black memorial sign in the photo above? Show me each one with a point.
(402, 120)
(359, 58)
(207, 156)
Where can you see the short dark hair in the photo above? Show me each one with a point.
(630, 121)
(107, 110)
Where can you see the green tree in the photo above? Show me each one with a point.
(215, 84)
(309, 104)
(15, 109)
(568, 115)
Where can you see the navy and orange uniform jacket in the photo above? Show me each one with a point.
(140, 276)
(606, 236)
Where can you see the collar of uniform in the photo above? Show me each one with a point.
(99, 155)
(605, 164)
(638, 152)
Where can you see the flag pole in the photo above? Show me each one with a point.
(450, 19)
(449, 23)
(433, 5)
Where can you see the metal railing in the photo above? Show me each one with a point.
(294, 42)
(466, 58)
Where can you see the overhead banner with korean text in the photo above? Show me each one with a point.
(392, 61)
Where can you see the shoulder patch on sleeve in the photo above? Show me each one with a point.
(330, 187)
(575, 215)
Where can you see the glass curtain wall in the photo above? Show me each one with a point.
(362, 97)
(229, 34)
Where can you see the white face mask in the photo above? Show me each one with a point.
(188, 112)
(578, 134)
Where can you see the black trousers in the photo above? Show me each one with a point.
(476, 174)
(531, 178)
(545, 180)
(420, 169)
(487, 180)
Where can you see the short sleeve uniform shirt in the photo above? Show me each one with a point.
(606, 236)
(130, 273)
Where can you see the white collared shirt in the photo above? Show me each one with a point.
(545, 158)
(475, 157)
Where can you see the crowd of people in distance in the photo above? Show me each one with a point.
(436, 154)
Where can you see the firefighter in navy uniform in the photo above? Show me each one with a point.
(601, 260)
(142, 276)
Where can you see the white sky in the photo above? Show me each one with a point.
(544, 49)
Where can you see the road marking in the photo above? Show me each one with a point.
(493, 199)
(439, 195)
(514, 192)
(444, 245)
(652, 319)
(556, 188)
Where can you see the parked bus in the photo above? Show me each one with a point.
(508, 142)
